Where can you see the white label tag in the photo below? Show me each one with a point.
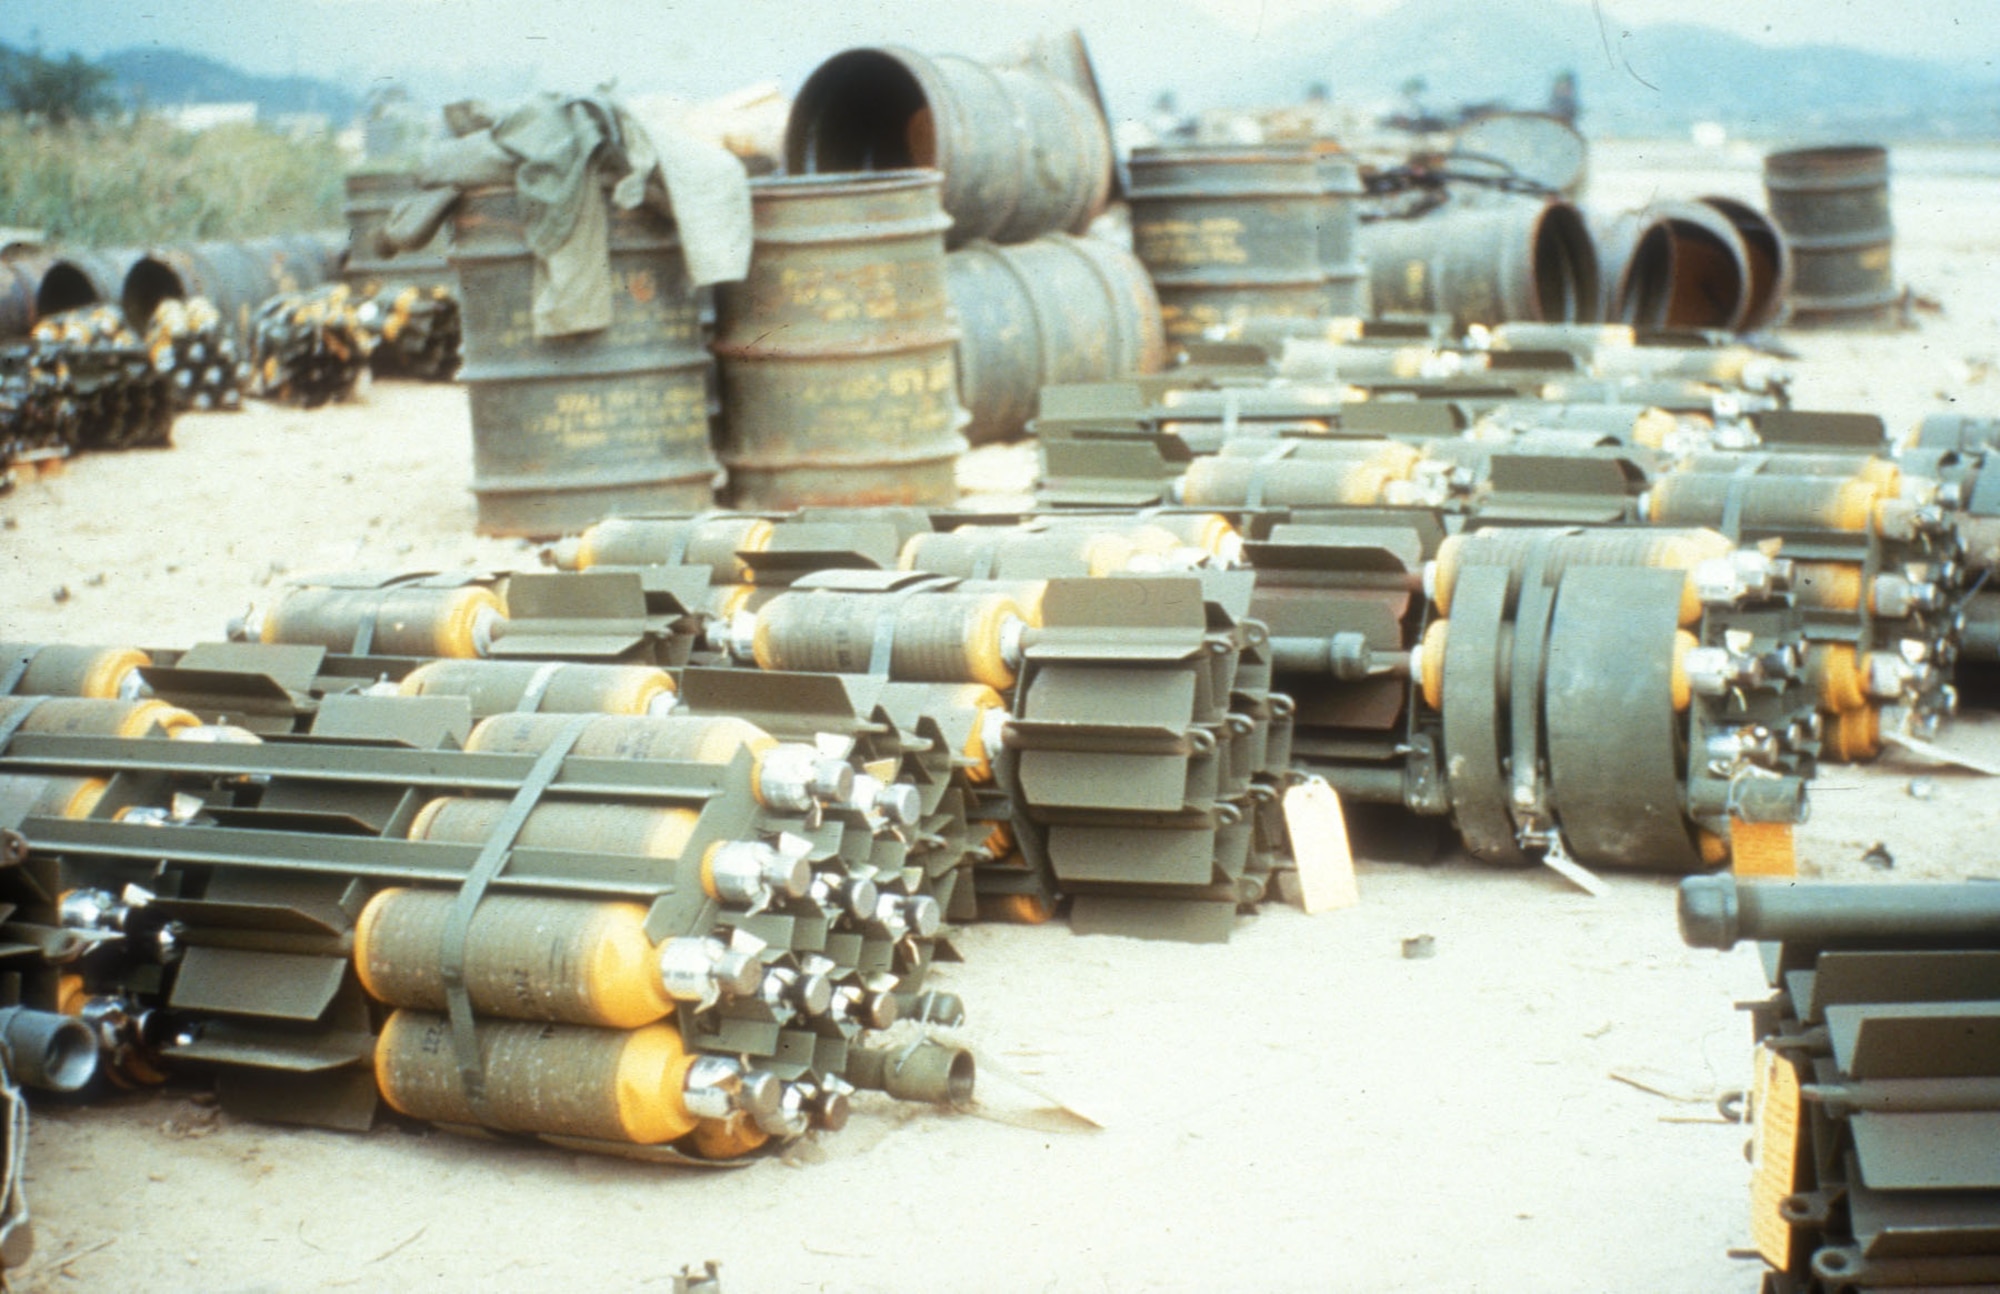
(1320, 846)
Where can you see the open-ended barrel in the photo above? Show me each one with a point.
(1059, 309)
(1022, 153)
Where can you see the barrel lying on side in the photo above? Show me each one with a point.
(1059, 309)
(1485, 262)
(1022, 153)
(1676, 265)
(1770, 260)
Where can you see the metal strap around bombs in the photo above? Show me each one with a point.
(882, 651)
(1732, 502)
(17, 670)
(1533, 613)
(538, 687)
(1254, 496)
(364, 631)
(1477, 785)
(491, 862)
(11, 724)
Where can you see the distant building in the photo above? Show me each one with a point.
(197, 117)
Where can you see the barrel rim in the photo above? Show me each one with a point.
(1206, 153)
(1829, 156)
(817, 183)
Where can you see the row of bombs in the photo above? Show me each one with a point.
(668, 936)
(87, 379)
(310, 347)
(1156, 741)
(1144, 689)
(1891, 544)
(1458, 675)
(1556, 387)
(1874, 1108)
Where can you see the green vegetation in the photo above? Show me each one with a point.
(140, 180)
(56, 92)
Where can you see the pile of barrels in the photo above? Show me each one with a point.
(914, 281)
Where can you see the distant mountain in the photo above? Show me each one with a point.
(1632, 78)
(166, 78)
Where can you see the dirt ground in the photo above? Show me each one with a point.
(1531, 1108)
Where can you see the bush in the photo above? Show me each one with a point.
(141, 180)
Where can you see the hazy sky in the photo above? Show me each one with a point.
(1963, 30)
(504, 48)
(1956, 29)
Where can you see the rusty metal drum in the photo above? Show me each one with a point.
(1059, 309)
(568, 430)
(1833, 206)
(1486, 262)
(1339, 237)
(1229, 233)
(1022, 153)
(835, 352)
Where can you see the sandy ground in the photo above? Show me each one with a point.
(1303, 1109)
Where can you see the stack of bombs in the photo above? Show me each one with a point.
(413, 330)
(308, 348)
(565, 901)
(191, 342)
(37, 411)
(1130, 752)
(1875, 1104)
(121, 398)
(1881, 552)
(86, 379)
(1956, 450)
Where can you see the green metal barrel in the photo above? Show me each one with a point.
(1769, 264)
(76, 277)
(1674, 265)
(1711, 277)
(235, 279)
(1022, 153)
(1229, 233)
(836, 350)
(17, 298)
(155, 275)
(1339, 237)
(567, 430)
(1485, 262)
(240, 275)
(1059, 309)
(1833, 206)
(1635, 262)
